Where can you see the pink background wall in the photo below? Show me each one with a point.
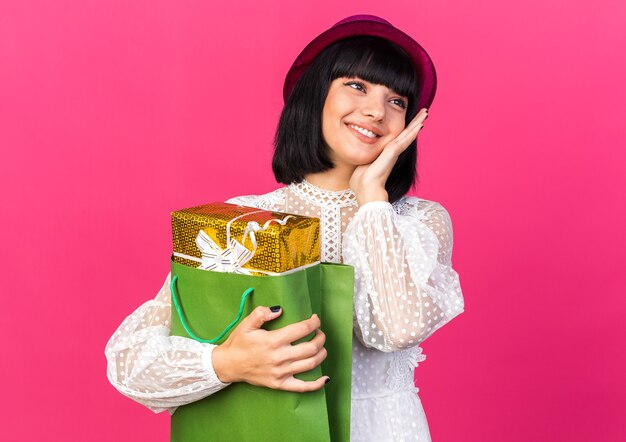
(114, 113)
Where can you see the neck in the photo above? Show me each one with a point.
(335, 179)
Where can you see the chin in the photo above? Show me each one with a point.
(356, 155)
(362, 160)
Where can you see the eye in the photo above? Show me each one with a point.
(400, 102)
(355, 85)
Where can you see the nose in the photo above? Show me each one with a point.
(374, 107)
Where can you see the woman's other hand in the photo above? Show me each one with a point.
(368, 181)
(267, 358)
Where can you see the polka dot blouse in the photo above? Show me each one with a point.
(405, 289)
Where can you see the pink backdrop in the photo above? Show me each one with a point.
(114, 113)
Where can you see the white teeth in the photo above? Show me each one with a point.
(367, 133)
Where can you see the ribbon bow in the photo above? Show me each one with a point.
(235, 255)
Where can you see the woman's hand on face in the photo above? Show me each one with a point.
(267, 358)
(368, 181)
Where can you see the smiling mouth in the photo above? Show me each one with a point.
(367, 133)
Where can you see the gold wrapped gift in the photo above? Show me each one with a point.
(230, 238)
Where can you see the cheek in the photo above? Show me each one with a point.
(396, 127)
(326, 128)
(331, 122)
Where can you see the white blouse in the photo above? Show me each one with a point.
(405, 289)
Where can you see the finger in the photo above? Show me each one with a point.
(298, 330)
(260, 316)
(308, 364)
(405, 138)
(414, 126)
(417, 121)
(420, 116)
(308, 349)
(382, 166)
(379, 170)
(299, 386)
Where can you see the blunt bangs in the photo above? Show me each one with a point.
(375, 60)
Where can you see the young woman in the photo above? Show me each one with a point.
(355, 100)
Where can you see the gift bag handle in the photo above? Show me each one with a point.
(183, 321)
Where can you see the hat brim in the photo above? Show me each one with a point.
(424, 67)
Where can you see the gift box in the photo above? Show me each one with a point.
(236, 239)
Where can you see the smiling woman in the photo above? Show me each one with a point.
(346, 149)
(370, 62)
(359, 119)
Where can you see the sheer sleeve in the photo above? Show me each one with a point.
(155, 369)
(405, 287)
(160, 371)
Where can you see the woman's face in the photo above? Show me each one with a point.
(359, 119)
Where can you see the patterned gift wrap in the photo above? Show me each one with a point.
(230, 238)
